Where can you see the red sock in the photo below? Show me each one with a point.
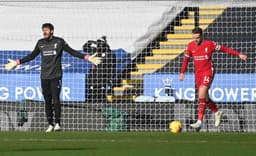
(212, 106)
(201, 108)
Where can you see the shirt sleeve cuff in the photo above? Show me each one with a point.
(86, 57)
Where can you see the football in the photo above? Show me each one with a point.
(175, 126)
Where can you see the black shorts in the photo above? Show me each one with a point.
(51, 87)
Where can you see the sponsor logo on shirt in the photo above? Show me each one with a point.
(201, 57)
(49, 52)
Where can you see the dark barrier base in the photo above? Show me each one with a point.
(138, 116)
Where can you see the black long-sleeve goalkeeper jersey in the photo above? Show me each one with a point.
(51, 51)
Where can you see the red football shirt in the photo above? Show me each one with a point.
(202, 55)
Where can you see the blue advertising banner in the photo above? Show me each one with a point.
(225, 87)
(23, 82)
(16, 87)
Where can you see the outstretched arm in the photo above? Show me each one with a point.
(230, 51)
(12, 63)
(29, 57)
(93, 59)
(73, 52)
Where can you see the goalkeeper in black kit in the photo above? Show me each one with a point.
(51, 48)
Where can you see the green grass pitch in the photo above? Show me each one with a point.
(126, 144)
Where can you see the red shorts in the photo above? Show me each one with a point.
(204, 79)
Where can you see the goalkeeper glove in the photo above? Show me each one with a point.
(93, 59)
(11, 64)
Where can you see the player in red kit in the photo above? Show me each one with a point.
(201, 51)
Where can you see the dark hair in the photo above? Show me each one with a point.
(48, 25)
(197, 30)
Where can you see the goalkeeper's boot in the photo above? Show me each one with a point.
(197, 124)
(218, 117)
(49, 129)
(57, 127)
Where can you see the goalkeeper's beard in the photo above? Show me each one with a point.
(49, 37)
